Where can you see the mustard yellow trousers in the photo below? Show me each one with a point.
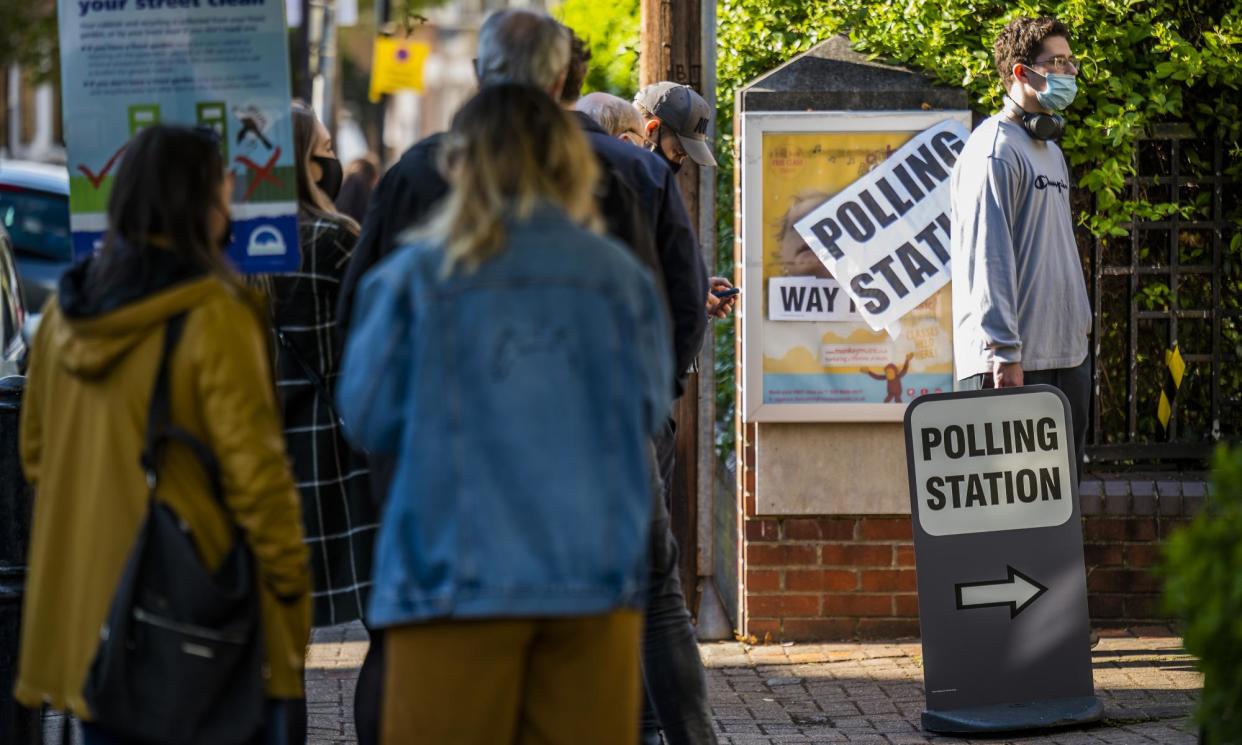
(550, 681)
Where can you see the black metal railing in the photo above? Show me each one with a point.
(1174, 279)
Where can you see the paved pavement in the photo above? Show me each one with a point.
(834, 693)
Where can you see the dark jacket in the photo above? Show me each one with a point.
(337, 510)
(639, 201)
(681, 264)
(404, 197)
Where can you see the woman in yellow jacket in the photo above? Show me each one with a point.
(84, 420)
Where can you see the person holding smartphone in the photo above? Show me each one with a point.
(722, 298)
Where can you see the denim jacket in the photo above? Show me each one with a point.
(518, 400)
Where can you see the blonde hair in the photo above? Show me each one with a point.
(511, 150)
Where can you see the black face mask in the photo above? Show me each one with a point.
(330, 182)
(655, 147)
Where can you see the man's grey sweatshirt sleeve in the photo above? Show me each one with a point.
(992, 274)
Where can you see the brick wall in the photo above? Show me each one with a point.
(848, 577)
(1124, 522)
(830, 578)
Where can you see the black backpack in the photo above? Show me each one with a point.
(180, 656)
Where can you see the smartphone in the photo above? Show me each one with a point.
(722, 294)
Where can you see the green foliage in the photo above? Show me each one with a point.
(611, 30)
(1147, 62)
(1203, 585)
(28, 35)
(403, 15)
(753, 37)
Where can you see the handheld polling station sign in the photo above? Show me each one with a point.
(998, 549)
(221, 65)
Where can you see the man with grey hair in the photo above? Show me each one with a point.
(614, 115)
(521, 46)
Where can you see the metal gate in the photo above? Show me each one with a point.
(1174, 279)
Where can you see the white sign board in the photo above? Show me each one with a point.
(809, 299)
(886, 236)
(980, 467)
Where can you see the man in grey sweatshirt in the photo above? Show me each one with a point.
(1020, 310)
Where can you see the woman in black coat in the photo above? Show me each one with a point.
(337, 510)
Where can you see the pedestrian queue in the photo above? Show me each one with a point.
(512, 559)
(168, 594)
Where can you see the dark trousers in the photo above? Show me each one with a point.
(1074, 382)
(369, 694)
(673, 676)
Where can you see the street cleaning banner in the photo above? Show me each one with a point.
(222, 64)
(885, 238)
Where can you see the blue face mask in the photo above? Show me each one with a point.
(1059, 92)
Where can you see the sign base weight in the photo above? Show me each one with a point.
(1060, 712)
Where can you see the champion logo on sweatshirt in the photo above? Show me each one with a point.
(1043, 182)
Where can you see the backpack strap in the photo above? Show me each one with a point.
(160, 429)
(312, 375)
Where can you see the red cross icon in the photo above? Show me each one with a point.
(261, 173)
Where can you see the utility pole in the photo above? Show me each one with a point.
(678, 44)
(301, 48)
(672, 49)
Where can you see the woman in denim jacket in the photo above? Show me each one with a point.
(517, 363)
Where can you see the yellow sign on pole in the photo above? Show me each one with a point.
(397, 65)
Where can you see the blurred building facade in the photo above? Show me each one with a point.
(31, 128)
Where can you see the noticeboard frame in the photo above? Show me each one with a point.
(754, 125)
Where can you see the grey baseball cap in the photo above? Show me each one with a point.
(683, 111)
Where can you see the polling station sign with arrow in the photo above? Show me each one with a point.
(998, 551)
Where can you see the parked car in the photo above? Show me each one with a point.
(12, 314)
(34, 209)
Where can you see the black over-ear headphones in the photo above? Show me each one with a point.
(1039, 125)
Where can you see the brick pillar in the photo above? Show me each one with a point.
(824, 578)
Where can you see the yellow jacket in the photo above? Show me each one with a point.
(83, 425)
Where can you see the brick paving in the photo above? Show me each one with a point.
(835, 693)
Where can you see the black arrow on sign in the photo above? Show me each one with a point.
(1017, 593)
